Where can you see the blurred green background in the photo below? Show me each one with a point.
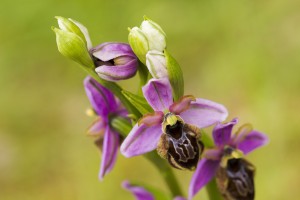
(244, 54)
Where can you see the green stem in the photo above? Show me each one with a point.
(212, 190)
(166, 172)
(123, 127)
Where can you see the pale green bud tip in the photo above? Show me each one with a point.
(138, 43)
(72, 26)
(72, 46)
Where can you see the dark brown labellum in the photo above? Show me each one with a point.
(235, 181)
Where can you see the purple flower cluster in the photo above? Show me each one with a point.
(174, 122)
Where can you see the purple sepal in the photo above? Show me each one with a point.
(252, 140)
(204, 173)
(222, 132)
(158, 93)
(109, 152)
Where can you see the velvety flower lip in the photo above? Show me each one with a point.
(105, 104)
(114, 61)
(246, 139)
(145, 135)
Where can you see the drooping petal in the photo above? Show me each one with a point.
(110, 50)
(109, 153)
(102, 100)
(204, 173)
(158, 93)
(97, 128)
(141, 139)
(139, 192)
(182, 104)
(222, 132)
(251, 141)
(118, 72)
(203, 113)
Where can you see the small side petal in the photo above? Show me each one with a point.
(151, 119)
(182, 104)
(109, 153)
(203, 113)
(158, 93)
(204, 173)
(102, 100)
(118, 72)
(139, 192)
(253, 140)
(141, 139)
(222, 132)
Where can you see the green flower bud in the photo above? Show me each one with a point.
(72, 46)
(69, 26)
(138, 43)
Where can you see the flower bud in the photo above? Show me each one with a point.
(138, 43)
(73, 41)
(72, 46)
(156, 64)
(155, 35)
(114, 61)
(148, 37)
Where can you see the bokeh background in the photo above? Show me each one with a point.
(244, 54)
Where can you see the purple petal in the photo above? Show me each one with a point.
(203, 113)
(118, 72)
(97, 128)
(222, 132)
(141, 139)
(158, 93)
(251, 141)
(110, 50)
(204, 173)
(182, 104)
(139, 192)
(109, 152)
(102, 100)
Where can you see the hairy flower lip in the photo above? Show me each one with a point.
(222, 134)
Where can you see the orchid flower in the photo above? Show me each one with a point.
(141, 193)
(105, 106)
(145, 134)
(114, 61)
(243, 142)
